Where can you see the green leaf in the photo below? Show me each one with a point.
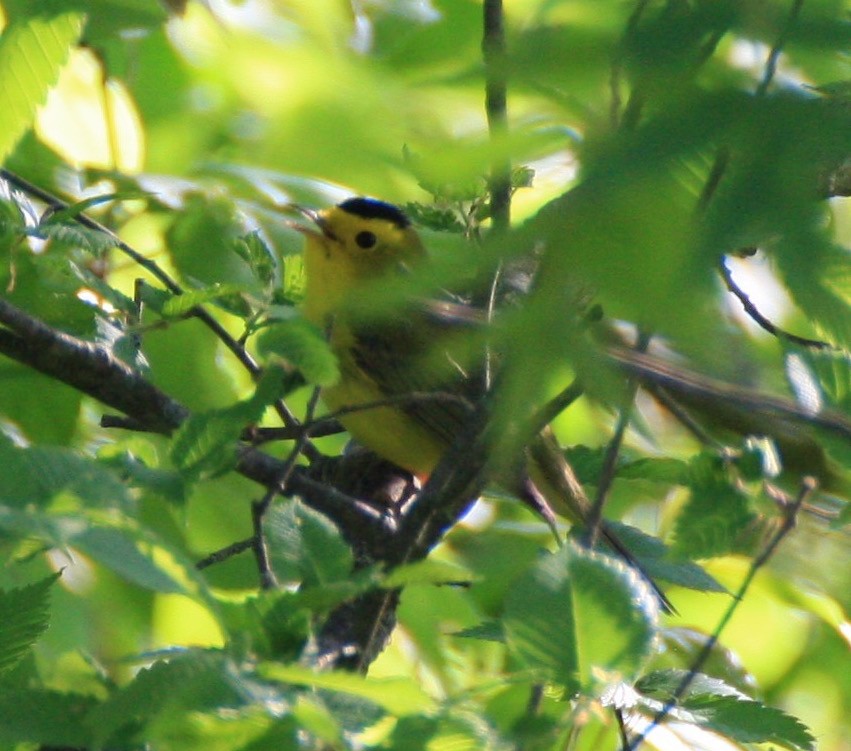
(253, 249)
(749, 721)
(315, 718)
(165, 483)
(37, 475)
(488, 631)
(576, 613)
(815, 270)
(304, 346)
(458, 732)
(24, 616)
(588, 463)
(32, 52)
(179, 305)
(286, 626)
(429, 572)
(653, 555)
(539, 620)
(282, 735)
(44, 410)
(202, 238)
(657, 469)
(322, 598)
(662, 684)
(49, 718)
(680, 647)
(195, 681)
(398, 696)
(717, 516)
(205, 444)
(76, 236)
(435, 218)
(305, 546)
(131, 556)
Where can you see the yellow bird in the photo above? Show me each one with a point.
(355, 246)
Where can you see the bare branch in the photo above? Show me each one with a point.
(236, 347)
(88, 367)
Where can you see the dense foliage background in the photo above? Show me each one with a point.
(661, 156)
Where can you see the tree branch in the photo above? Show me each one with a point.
(88, 367)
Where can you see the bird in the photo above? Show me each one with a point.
(357, 248)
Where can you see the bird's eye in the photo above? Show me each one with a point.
(365, 240)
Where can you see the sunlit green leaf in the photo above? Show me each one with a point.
(750, 721)
(399, 696)
(180, 305)
(575, 614)
(32, 52)
(429, 572)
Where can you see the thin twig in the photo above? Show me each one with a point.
(758, 318)
(536, 696)
(223, 554)
(719, 167)
(607, 473)
(790, 513)
(555, 406)
(320, 428)
(682, 415)
(617, 61)
(496, 108)
(329, 424)
(774, 55)
(268, 580)
(259, 508)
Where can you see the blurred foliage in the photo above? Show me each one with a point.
(648, 141)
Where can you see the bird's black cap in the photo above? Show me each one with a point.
(371, 208)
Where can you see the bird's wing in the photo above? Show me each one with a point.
(423, 355)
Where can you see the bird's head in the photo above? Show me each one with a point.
(371, 237)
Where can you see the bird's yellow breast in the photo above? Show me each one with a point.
(388, 431)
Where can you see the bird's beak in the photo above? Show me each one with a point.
(313, 216)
